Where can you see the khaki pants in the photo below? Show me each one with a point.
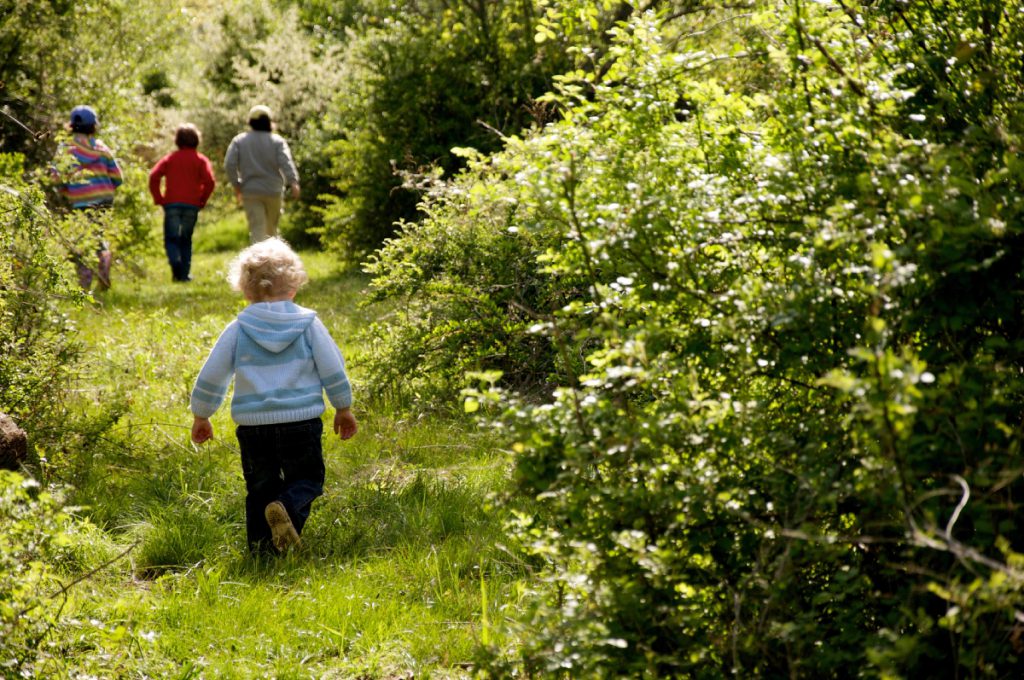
(262, 213)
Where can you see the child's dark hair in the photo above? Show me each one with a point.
(187, 136)
(84, 128)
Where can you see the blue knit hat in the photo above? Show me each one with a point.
(83, 115)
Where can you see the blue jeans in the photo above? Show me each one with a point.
(285, 463)
(179, 223)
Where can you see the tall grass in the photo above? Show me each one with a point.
(389, 582)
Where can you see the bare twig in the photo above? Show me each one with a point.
(490, 128)
(65, 588)
(35, 135)
(959, 506)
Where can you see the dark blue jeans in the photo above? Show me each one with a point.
(179, 223)
(284, 463)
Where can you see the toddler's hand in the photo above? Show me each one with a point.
(202, 430)
(345, 423)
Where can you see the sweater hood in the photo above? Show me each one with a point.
(275, 325)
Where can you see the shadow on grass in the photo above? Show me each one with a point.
(176, 300)
(329, 288)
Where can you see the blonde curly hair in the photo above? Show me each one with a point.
(267, 270)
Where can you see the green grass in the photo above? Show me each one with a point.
(389, 581)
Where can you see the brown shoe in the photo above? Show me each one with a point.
(282, 530)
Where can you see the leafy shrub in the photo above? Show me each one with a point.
(469, 291)
(38, 351)
(31, 528)
(27, 37)
(423, 80)
(785, 437)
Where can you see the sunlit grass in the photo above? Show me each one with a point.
(388, 579)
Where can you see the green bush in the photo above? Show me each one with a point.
(38, 351)
(423, 80)
(469, 291)
(783, 329)
(31, 529)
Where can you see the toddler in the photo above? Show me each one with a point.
(282, 359)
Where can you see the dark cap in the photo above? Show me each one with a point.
(83, 115)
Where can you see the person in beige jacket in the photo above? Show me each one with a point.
(259, 165)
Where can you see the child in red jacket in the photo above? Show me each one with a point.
(188, 183)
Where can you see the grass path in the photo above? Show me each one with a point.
(402, 557)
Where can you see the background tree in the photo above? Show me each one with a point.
(31, 72)
(260, 53)
(424, 77)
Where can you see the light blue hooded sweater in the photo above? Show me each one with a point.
(282, 358)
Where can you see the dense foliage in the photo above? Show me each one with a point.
(37, 348)
(423, 77)
(30, 71)
(769, 274)
(30, 596)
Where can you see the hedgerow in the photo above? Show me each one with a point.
(757, 350)
(30, 595)
(37, 343)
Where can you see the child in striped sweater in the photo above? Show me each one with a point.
(282, 359)
(88, 175)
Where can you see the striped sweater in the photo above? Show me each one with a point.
(88, 172)
(282, 359)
